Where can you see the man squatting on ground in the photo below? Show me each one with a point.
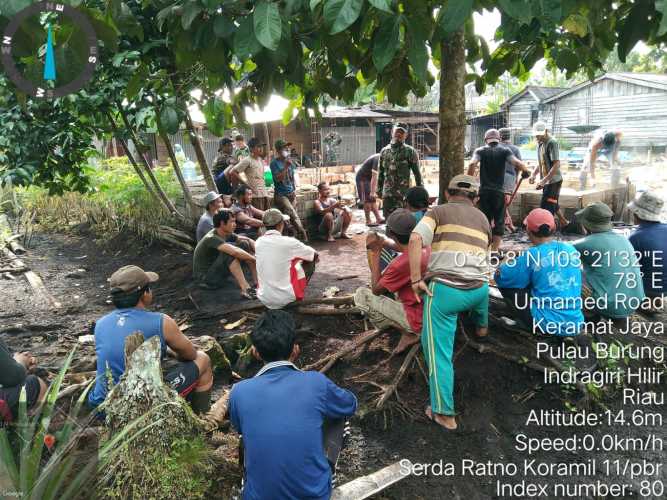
(248, 217)
(284, 264)
(212, 203)
(16, 374)
(405, 312)
(456, 280)
(367, 181)
(331, 216)
(396, 162)
(131, 294)
(548, 166)
(491, 160)
(284, 194)
(292, 423)
(221, 253)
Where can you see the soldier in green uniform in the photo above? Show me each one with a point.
(396, 161)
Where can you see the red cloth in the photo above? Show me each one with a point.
(396, 278)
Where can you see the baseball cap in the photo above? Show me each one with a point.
(596, 217)
(539, 217)
(401, 222)
(273, 217)
(224, 141)
(210, 197)
(281, 144)
(463, 182)
(402, 127)
(539, 128)
(492, 135)
(254, 142)
(130, 279)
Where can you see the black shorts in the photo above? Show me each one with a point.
(10, 395)
(550, 195)
(181, 376)
(492, 203)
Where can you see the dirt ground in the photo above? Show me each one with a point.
(493, 396)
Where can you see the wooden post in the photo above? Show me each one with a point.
(199, 151)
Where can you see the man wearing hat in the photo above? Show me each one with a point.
(252, 168)
(395, 163)
(284, 193)
(548, 166)
(404, 312)
(611, 273)
(456, 280)
(284, 264)
(492, 159)
(650, 241)
(222, 165)
(606, 142)
(212, 203)
(132, 294)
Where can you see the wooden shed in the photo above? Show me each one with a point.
(522, 110)
(634, 103)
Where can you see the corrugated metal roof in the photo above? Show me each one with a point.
(652, 80)
(538, 92)
(353, 113)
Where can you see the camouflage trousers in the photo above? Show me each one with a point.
(391, 204)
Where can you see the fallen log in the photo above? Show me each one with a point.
(326, 311)
(40, 290)
(13, 269)
(68, 391)
(16, 247)
(330, 360)
(332, 301)
(367, 486)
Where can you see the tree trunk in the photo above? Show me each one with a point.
(158, 188)
(189, 203)
(199, 151)
(130, 156)
(452, 109)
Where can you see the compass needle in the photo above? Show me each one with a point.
(50, 62)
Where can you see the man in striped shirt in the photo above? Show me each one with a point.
(456, 280)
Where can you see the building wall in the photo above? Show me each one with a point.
(519, 118)
(358, 143)
(639, 112)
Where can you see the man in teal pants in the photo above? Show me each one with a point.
(456, 280)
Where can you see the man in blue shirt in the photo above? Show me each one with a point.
(650, 241)
(131, 294)
(290, 420)
(284, 194)
(542, 286)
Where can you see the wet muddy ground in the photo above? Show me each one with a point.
(493, 396)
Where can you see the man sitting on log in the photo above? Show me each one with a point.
(611, 271)
(221, 253)
(406, 312)
(248, 218)
(15, 374)
(213, 203)
(284, 264)
(458, 281)
(131, 294)
(292, 422)
(542, 286)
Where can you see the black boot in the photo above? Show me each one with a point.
(200, 401)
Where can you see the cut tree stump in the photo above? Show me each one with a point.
(367, 486)
(219, 362)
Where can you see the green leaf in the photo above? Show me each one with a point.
(223, 27)
(267, 24)
(292, 6)
(454, 14)
(190, 13)
(340, 14)
(314, 4)
(169, 120)
(417, 53)
(577, 24)
(517, 9)
(383, 5)
(11, 7)
(661, 6)
(245, 43)
(386, 42)
(631, 31)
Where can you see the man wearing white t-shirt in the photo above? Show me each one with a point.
(284, 264)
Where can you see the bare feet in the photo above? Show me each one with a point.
(331, 238)
(381, 221)
(445, 421)
(407, 340)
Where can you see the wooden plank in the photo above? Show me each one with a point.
(367, 486)
(40, 290)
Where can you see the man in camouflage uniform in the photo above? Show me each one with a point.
(396, 161)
